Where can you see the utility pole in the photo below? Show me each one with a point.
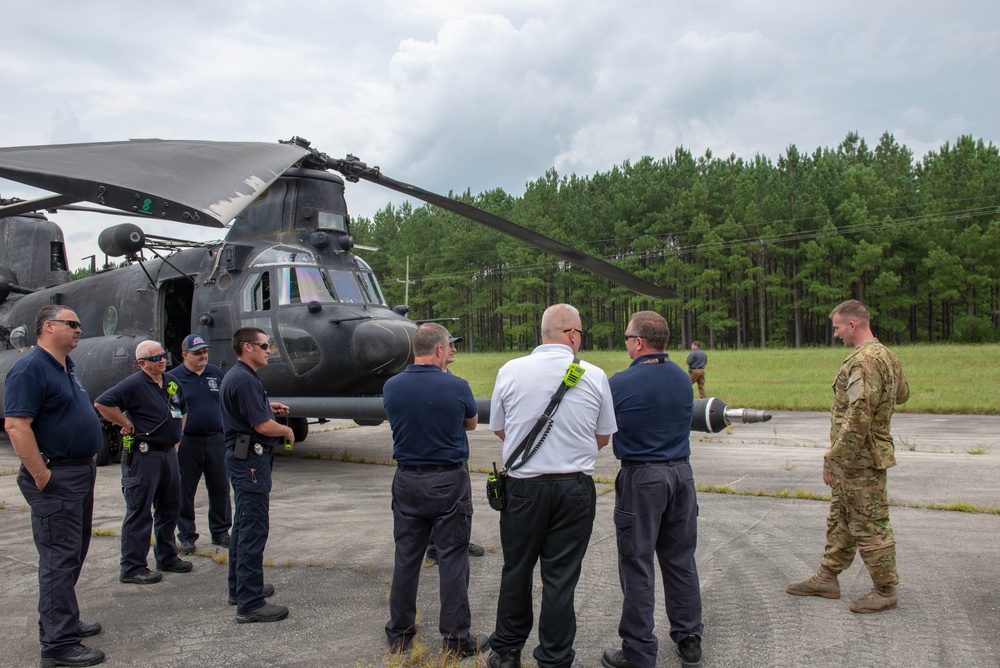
(407, 281)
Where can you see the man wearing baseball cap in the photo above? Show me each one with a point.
(203, 446)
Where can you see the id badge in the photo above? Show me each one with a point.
(175, 413)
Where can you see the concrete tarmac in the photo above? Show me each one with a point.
(330, 557)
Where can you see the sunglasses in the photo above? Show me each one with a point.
(73, 324)
(154, 358)
(262, 346)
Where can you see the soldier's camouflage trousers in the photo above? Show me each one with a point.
(859, 522)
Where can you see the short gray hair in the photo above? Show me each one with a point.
(145, 348)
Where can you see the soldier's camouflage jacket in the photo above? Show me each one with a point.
(865, 393)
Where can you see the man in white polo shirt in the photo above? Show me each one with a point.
(551, 500)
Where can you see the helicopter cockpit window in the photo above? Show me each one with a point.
(347, 288)
(301, 285)
(332, 221)
(258, 294)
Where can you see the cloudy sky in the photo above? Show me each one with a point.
(457, 94)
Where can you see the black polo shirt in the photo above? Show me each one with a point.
(63, 418)
(653, 407)
(148, 406)
(202, 395)
(244, 404)
(427, 409)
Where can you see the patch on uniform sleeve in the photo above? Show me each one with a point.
(855, 387)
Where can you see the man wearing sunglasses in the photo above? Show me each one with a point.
(203, 447)
(151, 409)
(56, 434)
(252, 433)
(656, 507)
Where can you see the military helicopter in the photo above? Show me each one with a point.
(286, 266)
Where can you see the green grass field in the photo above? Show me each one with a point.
(943, 378)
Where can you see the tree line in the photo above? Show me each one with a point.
(756, 251)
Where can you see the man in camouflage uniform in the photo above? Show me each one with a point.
(865, 393)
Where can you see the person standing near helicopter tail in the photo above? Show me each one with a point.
(151, 409)
(55, 434)
(551, 499)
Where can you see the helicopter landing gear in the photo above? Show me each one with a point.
(111, 445)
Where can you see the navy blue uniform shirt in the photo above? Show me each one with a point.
(148, 406)
(244, 404)
(64, 421)
(653, 407)
(202, 395)
(427, 409)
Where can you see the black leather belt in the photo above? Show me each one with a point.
(631, 463)
(77, 461)
(579, 475)
(430, 469)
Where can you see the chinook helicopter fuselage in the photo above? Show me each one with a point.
(332, 333)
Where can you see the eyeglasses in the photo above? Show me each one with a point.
(578, 331)
(199, 353)
(73, 324)
(632, 336)
(262, 346)
(154, 358)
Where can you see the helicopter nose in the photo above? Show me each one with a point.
(383, 346)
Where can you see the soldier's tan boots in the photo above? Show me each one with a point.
(877, 600)
(823, 583)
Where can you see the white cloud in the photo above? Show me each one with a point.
(456, 94)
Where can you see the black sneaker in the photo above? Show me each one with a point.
(431, 555)
(476, 550)
(268, 591)
(77, 655)
(466, 649)
(509, 659)
(689, 650)
(179, 566)
(142, 576)
(269, 612)
(221, 541)
(88, 629)
(188, 548)
(615, 658)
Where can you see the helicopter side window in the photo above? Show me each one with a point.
(258, 296)
(302, 285)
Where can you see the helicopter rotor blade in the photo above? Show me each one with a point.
(27, 206)
(352, 167)
(199, 182)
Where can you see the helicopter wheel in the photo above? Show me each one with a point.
(299, 425)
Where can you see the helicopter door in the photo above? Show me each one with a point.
(176, 296)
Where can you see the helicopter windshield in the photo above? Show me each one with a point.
(303, 285)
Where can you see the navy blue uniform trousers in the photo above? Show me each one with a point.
(548, 518)
(198, 455)
(421, 502)
(251, 480)
(61, 519)
(656, 516)
(152, 482)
